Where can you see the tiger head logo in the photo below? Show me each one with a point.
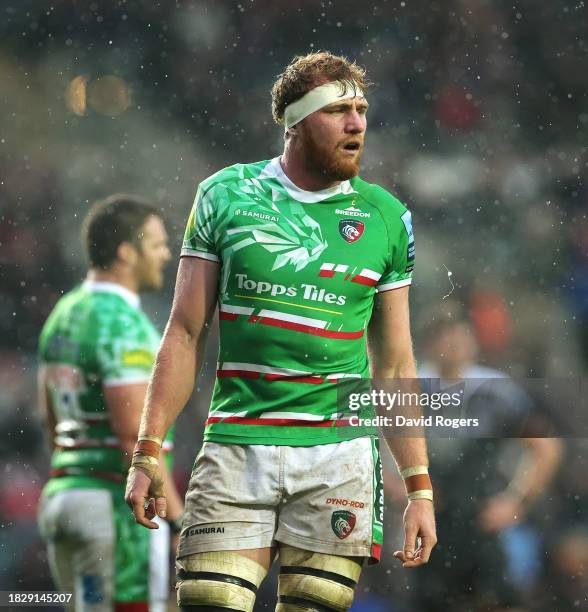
(351, 230)
(342, 523)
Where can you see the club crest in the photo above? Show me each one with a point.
(342, 522)
(351, 230)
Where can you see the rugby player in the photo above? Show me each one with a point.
(474, 577)
(97, 350)
(310, 266)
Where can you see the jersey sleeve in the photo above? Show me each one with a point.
(401, 264)
(126, 355)
(200, 230)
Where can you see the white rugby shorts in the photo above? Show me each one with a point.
(326, 498)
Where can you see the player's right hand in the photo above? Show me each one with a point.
(145, 496)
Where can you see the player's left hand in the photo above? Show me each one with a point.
(500, 511)
(419, 522)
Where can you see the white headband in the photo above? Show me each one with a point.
(318, 97)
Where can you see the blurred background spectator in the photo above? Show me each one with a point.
(478, 122)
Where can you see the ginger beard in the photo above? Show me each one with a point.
(330, 161)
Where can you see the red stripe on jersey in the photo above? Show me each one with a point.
(376, 551)
(313, 331)
(90, 444)
(236, 374)
(295, 379)
(327, 273)
(131, 606)
(346, 277)
(364, 280)
(228, 316)
(278, 422)
(111, 476)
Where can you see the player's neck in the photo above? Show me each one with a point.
(114, 275)
(294, 167)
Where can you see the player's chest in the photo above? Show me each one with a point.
(326, 252)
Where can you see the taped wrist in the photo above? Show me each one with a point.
(150, 467)
(417, 482)
(148, 445)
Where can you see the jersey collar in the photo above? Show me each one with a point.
(274, 170)
(105, 287)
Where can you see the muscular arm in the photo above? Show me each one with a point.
(180, 357)
(391, 357)
(124, 404)
(182, 349)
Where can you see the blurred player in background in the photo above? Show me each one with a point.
(301, 255)
(97, 350)
(487, 485)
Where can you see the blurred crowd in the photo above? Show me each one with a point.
(478, 122)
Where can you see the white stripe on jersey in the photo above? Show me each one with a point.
(224, 415)
(370, 274)
(202, 254)
(333, 376)
(255, 367)
(301, 416)
(243, 310)
(282, 316)
(394, 285)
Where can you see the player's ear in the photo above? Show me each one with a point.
(127, 253)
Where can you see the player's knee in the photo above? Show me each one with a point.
(311, 581)
(218, 581)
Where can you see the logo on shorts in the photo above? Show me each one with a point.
(195, 531)
(337, 501)
(351, 230)
(342, 522)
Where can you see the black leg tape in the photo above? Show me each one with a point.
(183, 575)
(311, 571)
(206, 609)
(305, 603)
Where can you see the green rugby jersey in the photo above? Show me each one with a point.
(299, 272)
(96, 336)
